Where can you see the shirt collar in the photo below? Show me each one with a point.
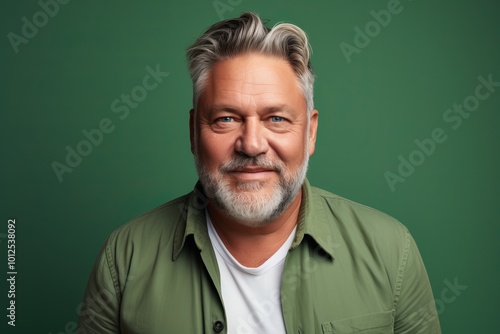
(312, 221)
(192, 221)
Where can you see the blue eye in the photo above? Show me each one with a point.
(225, 119)
(276, 119)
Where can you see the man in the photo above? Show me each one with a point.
(255, 248)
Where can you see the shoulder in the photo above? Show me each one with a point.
(364, 235)
(136, 248)
(364, 215)
(361, 225)
(150, 228)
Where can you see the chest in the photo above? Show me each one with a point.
(316, 295)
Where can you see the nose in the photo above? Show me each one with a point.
(252, 141)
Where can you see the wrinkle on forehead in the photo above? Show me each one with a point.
(253, 80)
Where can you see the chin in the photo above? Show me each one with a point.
(249, 186)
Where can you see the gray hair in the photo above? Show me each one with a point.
(248, 33)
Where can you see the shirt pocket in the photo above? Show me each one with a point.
(375, 323)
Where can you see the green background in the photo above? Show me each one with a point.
(395, 90)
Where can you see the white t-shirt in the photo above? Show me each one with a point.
(251, 296)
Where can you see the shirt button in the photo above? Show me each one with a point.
(218, 326)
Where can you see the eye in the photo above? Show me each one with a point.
(276, 119)
(225, 119)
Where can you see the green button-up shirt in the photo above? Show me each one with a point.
(350, 269)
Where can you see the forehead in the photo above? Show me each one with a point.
(252, 81)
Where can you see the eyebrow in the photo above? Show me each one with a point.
(222, 107)
(231, 109)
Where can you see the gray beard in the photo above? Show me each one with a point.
(247, 207)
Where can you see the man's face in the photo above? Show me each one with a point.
(252, 137)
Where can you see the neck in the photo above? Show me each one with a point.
(252, 246)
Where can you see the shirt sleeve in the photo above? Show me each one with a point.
(415, 305)
(100, 308)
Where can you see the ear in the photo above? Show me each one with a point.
(313, 129)
(191, 129)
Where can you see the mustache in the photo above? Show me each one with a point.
(242, 161)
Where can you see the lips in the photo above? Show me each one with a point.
(252, 173)
(252, 170)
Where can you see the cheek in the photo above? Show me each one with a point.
(214, 149)
(290, 150)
